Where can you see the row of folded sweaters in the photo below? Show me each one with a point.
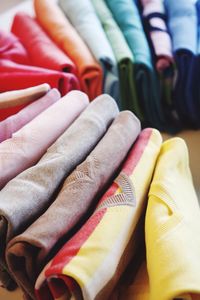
(143, 53)
(84, 193)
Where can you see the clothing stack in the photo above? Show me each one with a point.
(83, 192)
(92, 204)
(143, 53)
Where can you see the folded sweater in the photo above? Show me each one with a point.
(127, 16)
(91, 262)
(53, 20)
(42, 51)
(16, 76)
(76, 197)
(27, 145)
(29, 194)
(12, 49)
(123, 56)
(83, 17)
(173, 227)
(13, 123)
(13, 101)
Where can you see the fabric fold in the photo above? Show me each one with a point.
(154, 20)
(15, 122)
(194, 88)
(53, 20)
(28, 144)
(83, 17)
(13, 101)
(127, 16)
(28, 195)
(91, 262)
(16, 76)
(124, 57)
(12, 49)
(182, 23)
(173, 227)
(73, 202)
(41, 49)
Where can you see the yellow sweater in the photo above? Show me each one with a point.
(172, 228)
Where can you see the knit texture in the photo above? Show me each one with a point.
(13, 101)
(42, 51)
(173, 227)
(91, 262)
(53, 20)
(83, 17)
(28, 144)
(123, 56)
(77, 195)
(13, 123)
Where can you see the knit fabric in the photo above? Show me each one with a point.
(90, 263)
(15, 122)
(127, 16)
(12, 49)
(83, 17)
(13, 101)
(154, 19)
(42, 51)
(173, 227)
(15, 76)
(27, 145)
(53, 20)
(77, 195)
(123, 56)
(30, 193)
(193, 83)
(182, 23)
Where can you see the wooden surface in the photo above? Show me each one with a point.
(192, 138)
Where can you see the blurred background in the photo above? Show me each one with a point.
(4, 5)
